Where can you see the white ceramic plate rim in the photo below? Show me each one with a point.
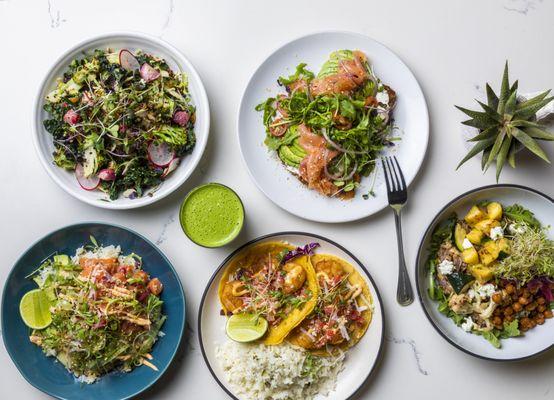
(384, 203)
(200, 101)
(422, 251)
(364, 271)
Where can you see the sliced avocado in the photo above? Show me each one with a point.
(297, 149)
(288, 157)
(62, 259)
(459, 280)
(459, 236)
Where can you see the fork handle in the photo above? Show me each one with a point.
(404, 293)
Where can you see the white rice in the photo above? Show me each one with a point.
(110, 251)
(260, 372)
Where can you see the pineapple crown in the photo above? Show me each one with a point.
(505, 125)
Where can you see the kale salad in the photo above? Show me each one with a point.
(492, 272)
(328, 129)
(120, 121)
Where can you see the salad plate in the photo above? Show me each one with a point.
(47, 373)
(165, 169)
(471, 281)
(398, 124)
(341, 366)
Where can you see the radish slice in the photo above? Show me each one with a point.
(148, 73)
(87, 183)
(171, 167)
(107, 174)
(128, 61)
(71, 117)
(160, 154)
(181, 118)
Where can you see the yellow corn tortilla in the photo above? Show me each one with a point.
(276, 334)
(354, 277)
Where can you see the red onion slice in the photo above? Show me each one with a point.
(337, 146)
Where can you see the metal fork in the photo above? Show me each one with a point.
(398, 196)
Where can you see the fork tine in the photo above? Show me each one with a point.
(400, 173)
(394, 179)
(385, 172)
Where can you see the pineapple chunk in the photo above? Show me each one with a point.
(481, 273)
(503, 247)
(470, 256)
(475, 236)
(494, 211)
(474, 215)
(489, 252)
(486, 225)
(492, 248)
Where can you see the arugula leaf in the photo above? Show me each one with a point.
(300, 73)
(511, 329)
(492, 338)
(518, 213)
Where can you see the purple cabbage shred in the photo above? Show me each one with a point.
(300, 251)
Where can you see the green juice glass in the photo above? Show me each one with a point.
(212, 215)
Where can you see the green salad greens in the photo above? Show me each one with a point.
(329, 128)
(106, 311)
(120, 121)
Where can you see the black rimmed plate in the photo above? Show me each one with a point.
(535, 341)
(360, 361)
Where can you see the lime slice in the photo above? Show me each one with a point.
(246, 327)
(35, 309)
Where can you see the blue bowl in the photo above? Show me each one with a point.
(50, 376)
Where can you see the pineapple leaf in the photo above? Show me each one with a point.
(512, 154)
(496, 147)
(511, 104)
(530, 143)
(476, 149)
(530, 111)
(490, 112)
(502, 154)
(537, 133)
(485, 134)
(514, 87)
(485, 157)
(480, 117)
(492, 98)
(504, 90)
(533, 100)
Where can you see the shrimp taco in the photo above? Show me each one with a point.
(265, 280)
(343, 311)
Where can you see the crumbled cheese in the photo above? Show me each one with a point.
(466, 244)
(471, 294)
(446, 267)
(383, 97)
(486, 290)
(516, 228)
(467, 325)
(496, 233)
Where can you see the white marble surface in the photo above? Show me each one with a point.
(453, 47)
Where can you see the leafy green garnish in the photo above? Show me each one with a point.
(518, 213)
(300, 73)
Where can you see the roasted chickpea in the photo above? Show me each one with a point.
(497, 312)
(497, 298)
(525, 324)
(508, 310)
(531, 306)
(526, 293)
(509, 318)
(541, 300)
(523, 301)
(548, 314)
(497, 321)
(541, 308)
(517, 307)
(510, 289)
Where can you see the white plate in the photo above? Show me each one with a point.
(360, 360)
(534, 341)
(132, 41)
(283, 188)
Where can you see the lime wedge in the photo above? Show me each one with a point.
(35, 309)
(246, 327)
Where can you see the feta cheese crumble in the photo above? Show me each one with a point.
(446, 267)
(496, 233)
(486, 290)
(382, 97)
(466, 244)
(467, 325)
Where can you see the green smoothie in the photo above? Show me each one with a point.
(212, 215)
